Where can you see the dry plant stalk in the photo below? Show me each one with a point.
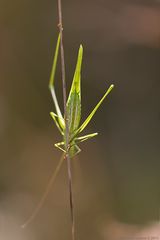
(67, 156)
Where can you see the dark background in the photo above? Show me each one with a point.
(116, 177)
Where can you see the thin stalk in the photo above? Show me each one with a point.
(70, 182)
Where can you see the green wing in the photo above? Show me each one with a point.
(74, 99)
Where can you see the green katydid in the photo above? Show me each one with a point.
(73, 107)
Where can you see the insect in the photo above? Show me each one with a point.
(73, 108)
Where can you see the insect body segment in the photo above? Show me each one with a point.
(73, 107)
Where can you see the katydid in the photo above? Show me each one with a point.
(73, 107)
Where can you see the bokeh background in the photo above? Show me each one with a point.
(116, 176)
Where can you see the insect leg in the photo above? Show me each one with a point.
(58, 145)
(54, 116)
(78, 150)
(86, 137)
(74, 150)
(51, 84)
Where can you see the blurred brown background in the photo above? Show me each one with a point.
(116, 177)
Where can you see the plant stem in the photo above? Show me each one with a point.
(67, 156)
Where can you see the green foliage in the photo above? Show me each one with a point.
(73, 108)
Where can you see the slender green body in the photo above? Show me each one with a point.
(73, 107)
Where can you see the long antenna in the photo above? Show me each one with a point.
(60, 25)
(45, 194)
